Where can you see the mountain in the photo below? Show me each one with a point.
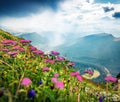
(39, 41)
(101, 49)
(36, 38)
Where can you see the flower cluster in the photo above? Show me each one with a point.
(9, 42)
(27, 82)
(25, 41)
(89, 71)
(59, 58)
(71, 64)
(77, 75)
(49, 61)
(110, 79)
(55, 53)
(45, 69)
(58, 84)
(37, 52)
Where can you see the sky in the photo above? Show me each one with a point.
(60, 17)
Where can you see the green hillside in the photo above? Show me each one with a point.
(31, 75)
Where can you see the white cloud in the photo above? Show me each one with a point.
(73, 16)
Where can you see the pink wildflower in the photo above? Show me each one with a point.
(79, 78)
(54, 80)
(12, 53)
(41, 56)
(74, 73)
(89, 71)
(25, 41)
(55, 52)
(5, 49)
(56, 75)
(49, 61)
(8, 42)
(46, 60)
(110, 79)
(60, 58)
(38, 52)
(45, 69)
(26, 81)
(16, 48)
(59, 85)
(32, 48)
(22, 49)
(71, 64)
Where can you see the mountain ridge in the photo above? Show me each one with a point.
(101, 47)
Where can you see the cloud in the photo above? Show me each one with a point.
(116, 15)
(73, 17)
(90, 1)
(107, 9)
(24, 7)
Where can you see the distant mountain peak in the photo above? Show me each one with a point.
(99, 36)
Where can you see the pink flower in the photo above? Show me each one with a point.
(42, 56)
(12, 53)
(79, 78)
(45, 69)
(32, 48)
(49, 61)
(5, 49)
(22, 49)
(89, 71)
(25, 41)
(26, 81)
(110, 78)
(38, 52)
(46, 60)
(71, 64)
(55, 52)
(60, 58)
(56, 75)
(74, 73)
(8, 42)
(16, 48)
(54, 80)
(59, 85)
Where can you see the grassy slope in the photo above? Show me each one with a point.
(7, 35)
(12, 75)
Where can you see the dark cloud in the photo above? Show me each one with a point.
(116, 15)
(24, 7)
(108, 9)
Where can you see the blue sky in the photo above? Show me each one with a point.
(61, 17)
